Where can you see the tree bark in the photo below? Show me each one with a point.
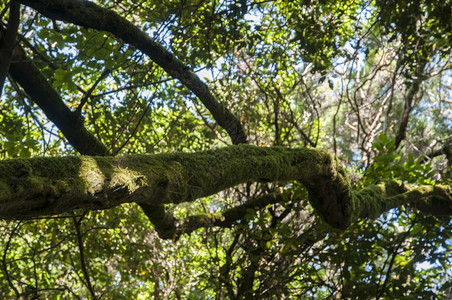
(25, 73)
(90, 15)
(8, 41)
(38, 187)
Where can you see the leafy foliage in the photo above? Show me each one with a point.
(339, 75)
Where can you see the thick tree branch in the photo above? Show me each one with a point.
(372, 201)
(88, 14)
(8, 41)
(164, 223)
(24, 72)
(42, 186)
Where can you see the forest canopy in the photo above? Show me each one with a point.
(194, 149)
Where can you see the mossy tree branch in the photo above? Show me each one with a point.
(90, 15)
(372, 201)
(368, 203)
(42, 186)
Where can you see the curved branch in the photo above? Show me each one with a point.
(88, 14)
(42, 186)
(446, 150)
(164, 223)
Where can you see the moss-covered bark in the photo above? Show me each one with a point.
(372, 201)
(43, 186)
(37, 186)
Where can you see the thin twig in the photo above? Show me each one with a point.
(83, 263)
(5, 267)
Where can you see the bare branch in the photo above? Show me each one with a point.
(409, 105)
(24, 72)
(88, 14)
(8, 41)
(83, 263)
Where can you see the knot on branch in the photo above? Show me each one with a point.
(329, 190)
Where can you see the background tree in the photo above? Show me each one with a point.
(367, 80)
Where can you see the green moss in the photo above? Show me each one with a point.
(6, 190)
(90, 173)
(177, 177)
(368, 202)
